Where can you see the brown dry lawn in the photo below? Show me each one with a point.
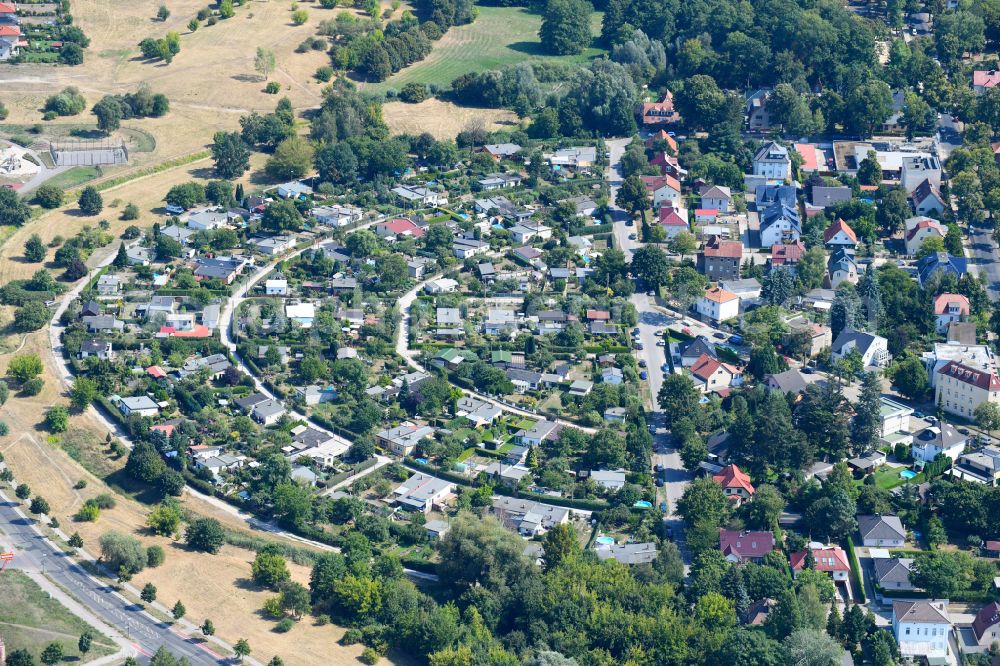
(443, 119)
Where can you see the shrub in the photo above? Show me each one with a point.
(272, 88)
(4, 429)
(299, 17)
(414, 93)
(352, 636)
(369, 656)
(131, 212)
(32, 387)
(91, 202)
(324, 73)
(49, 196)
(67, 102)
(80, 485)
(105, 501)
(88, 513)
(57, 418)
(284, 626)
(122, 551)
(155, 555)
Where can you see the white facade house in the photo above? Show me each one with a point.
(717, 198)
(874, 349)
(276, 287)
(943, 438)
(959, 388)
(441, 286)
(918, 168)
(949, 308)
(337, 216)
(718, 305)
(772, 162)
(918, 229)
(303, 313)
(922, 627)
(141, 405)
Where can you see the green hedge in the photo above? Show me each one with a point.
(859, 582)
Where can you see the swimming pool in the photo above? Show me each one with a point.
(907, 474)
(605, 540)
(643, 504)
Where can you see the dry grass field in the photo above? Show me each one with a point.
(443, 119)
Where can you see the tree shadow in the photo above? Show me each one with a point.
(246, 78)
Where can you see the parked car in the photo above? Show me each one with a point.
(642, 363)
(808, 370)
(175, 210)
(658, 334)
(736, 339)
(639, 346)
(643, 375)
(719, 334)
(661, 343)
(687, 331)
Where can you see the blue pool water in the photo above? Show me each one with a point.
(609, 541)
(643, 504)
(907, 474)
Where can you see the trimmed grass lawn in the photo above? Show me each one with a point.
(30, 620)
(499, 36)
(888, 478)
(74, 177)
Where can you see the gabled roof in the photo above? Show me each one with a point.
(776, 212)
(716, 192)
(975, 376)
(788, 253)
(671, 218)
(716, 247)
(988, 616)
(653, 183)
(986, 78)
(919, 610)
(745, 545)
(827, 559)
(697, 347)
(789, 381)
(732, 476)
(835, 228)
(771, 152)
(892, 570)
(720, 295)
(862, 340)
(945, 301)
(706, 366)
(925, 223)
(925, 189)
(881, 527)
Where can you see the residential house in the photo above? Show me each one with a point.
(301, 313)
(972, 356)
(949, 308)
(841, 267)
(584, 205)
(740, 547)
(748, 289)
(711, 375)
(103, 324)
(664, 190)
(510, 475)
(922, 628)
(919, 229)
(758, 117)
(441, 286)
(99, 348)
(574, 159)
(138, 255)
(615, 414)
(180, 234)
(529, 518)
(527, 231)
(735, 484)
(918, 169)
(580, 387)
(823, 196)
(960, 389)
(881, 531)
(787, 256)
(109, 285)
(717, 197)
(223, 269)
(927, 200)
(840, 236)
(399, 227)
(524, 380)
(207, 220)
(718, 305)
(942, 438)
(772, 162)
(779, 224)
(612, 376)
(273, 245)
(895, 417)
(337, 215)
(294, 190)
(499, 320)
(553, 321)
(314, 394)
(893, 573)
(789, 381)
(692, 350)
(720, 259)
(499, 181)
(673, 222)
(982, 466)
(451, 358)
(422, 492)
(11, 40)
(986, 626)
(268, 412)
(820, 336)
(247, 403)
(983, 79)
(941, 262)
(401, 440)
(500, 151)
(627, 553)
(765, 195)
(541, 431)
(652, 114)
(502, 206)
(141, 405)
(831, 560)
(874, 349)
(415, 195)
(276, 287)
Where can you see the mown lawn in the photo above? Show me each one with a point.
(30, 620)
(888, 477)
(499, 36)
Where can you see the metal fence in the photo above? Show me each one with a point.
(88, 152)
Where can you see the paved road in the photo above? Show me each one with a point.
(145, 634)
(985, 258)
(614, 177)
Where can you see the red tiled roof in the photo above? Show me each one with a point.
(654, 183)
(716, 247)
(706, 212)
(156, 372)
(7, 8)
(671, 218)
(10, 31)
(720, 295)
(943, 301)
(828, 559)
(925, 224)
(401, 225)
(166, 428)
(602, 315)
(706, 366)
(199, 331)
(869, 188)
(787, 254)
(745, 545)
(986, 78)
(835, 228)
(732, 476)
(979, 378)
(662, 136)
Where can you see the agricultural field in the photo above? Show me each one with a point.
(500, 36)
(30, 619)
